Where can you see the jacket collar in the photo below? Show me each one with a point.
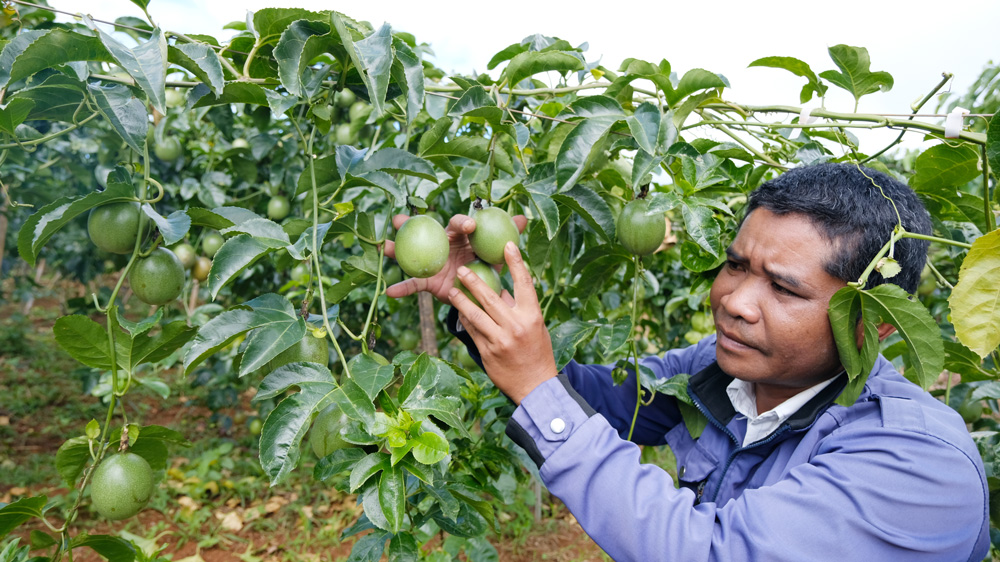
(708, 387)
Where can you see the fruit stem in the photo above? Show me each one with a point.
(633, 353)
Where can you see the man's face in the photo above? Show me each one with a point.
(770, 304)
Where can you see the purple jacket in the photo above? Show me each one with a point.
(896, 476)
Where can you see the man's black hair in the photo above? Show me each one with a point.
(851, 207)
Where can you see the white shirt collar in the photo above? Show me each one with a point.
(744, 399)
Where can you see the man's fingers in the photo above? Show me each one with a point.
(473, 317)
(524, 287)
(460, 225)
(521, 222)
(406, 288)
(398, 220)
(390, 249)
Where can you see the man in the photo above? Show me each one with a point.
(781, 472)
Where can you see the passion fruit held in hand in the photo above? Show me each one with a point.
(421, 246)
(640, 232)
(121, 486)
(494, 228)
(158, 278)
(485, 272)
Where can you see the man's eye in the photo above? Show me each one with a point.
(782, 290)
(735, 266)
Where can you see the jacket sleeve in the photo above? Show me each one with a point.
(863, 494)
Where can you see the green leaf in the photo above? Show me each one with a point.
(132, 352)
(300, 43)
(580, 147)
(396, 161)
(39, 227)
(473, 148)
(173, 228)
(591, 207)
(645, 127)
(568, 335)
(701, 226)
(237, 254)
(233, 92)
(403, 547)
(925, 350)
(368, 467)
(55, 99)
(114, 549)
(286, 425)
(15, 513)
(975, 300)
(369, 548)
(370, 375)
(71, 457)
(613, 335)
(372, 57)
(268, 23)
(855, 75)
(392, 497)
(545, 209)
(337, 462)
(445, 408)
(530, 63)
(844, 313)
(429, 448)
(408, 71)
(993, 144)
(84, 339)
(476, 103)
(35, 50)
(126, 113)
(146, 63)
(693, 80)
(219, 332)
(201, 60)
(14, 113)
(798, 68)
(945, 166)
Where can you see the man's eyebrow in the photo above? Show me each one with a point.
(787, 280)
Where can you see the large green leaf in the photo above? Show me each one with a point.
(39, 227)
(113, 549)
(71, 457)
(813, 85)
(14, 113)
(568, 335)
(286, 425)
(201, 60)
(125, 112)
(15, 513)
(393, 160)
(84, 339)
(855, 75)
(591, 207)
(57, 98)
(925, 349)
(993, 144)
(141, 348)
(408, 71)
(373, 57)
(944, 165)
(34, 50)
(583, 143)
(701, 226)
(370, 375)
(475, 102)
(473, 148)
(645, 127)
(975, 300)
(844, 313)
(530, 63)
(392, 496)
(337, 462)
(233, 92)
(173, 228)
(146, 63)
(693, 80)
(237, 254)
(300, 43)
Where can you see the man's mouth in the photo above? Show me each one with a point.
(732, 342)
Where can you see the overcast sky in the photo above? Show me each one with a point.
(914, 40)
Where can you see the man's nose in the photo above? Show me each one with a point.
(743, 301)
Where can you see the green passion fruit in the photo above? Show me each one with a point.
(185, 252)
(639, 232)
(421, 247)
(325, 436)
(114, 227)
(494, 228)
(202, 267)
(486, 273)
(121, 486)
(168, 149)
(158, 278)
(211, 243)
(278, 207)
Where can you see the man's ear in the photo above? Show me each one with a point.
(884, 331)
